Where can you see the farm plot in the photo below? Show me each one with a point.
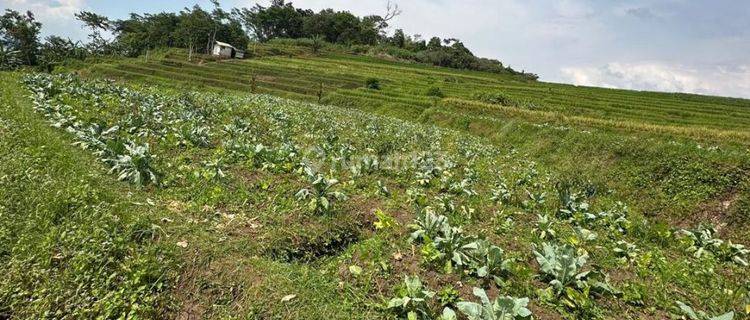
(339, 79)
(284, 209)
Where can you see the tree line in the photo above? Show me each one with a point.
(196, 29)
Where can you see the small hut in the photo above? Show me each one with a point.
(227, 51)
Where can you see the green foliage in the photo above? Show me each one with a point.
(502, 308)
(320, 195)
(571, 286)
(57, 51)
(562, 265)
(372, 83)
(412, 300)
(489, 261)
(384, 220)
(9, 59)
(626, 251)
(690, 314)
(187, 29)
(135, 165)
(545, 227)
(501, 194)
(19, 39)
(701, 241)
(130, 161)
(495, 98)
(435, 92)
(73, 243)
(251, 208)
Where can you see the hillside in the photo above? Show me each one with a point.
(281, 186)
(695, 150)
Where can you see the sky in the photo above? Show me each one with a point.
(696, 46)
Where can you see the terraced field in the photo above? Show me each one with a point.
(405, 86)
(177, 193)
(690, 151)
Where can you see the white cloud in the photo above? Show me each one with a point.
(660, 76)
(56, 16)
(573, 9)
(47, 9)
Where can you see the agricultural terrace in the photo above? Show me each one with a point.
(236, 205)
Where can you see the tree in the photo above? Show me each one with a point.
(280, 20)
(435, 43)
(55, 50)
(139, 33)
(371, 30)
(334, 26)
(19, 36)
(97, 23)
(9, 59)
(399, 38)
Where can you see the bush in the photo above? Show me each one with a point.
(495, 98)
(435, 92)
(372, 83)
(360, 49)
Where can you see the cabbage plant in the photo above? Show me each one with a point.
(135, 165)
(689, 313)
(562, 265)
(412, 301)
(320, 195)
(502, 308)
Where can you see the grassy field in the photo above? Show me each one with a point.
(592, 203)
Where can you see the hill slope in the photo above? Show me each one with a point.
(690, 151)
(262, 207)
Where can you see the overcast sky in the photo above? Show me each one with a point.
(700, 46)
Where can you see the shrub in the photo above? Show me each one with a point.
(435, 92)
(372, 83)
(495, 98)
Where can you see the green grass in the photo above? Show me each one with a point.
(72, 243)
(233, 246)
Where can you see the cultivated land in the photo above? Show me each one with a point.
(318, 204)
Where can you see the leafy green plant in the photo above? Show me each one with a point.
(428, 225)
(435, 92)
(488, 261)
(196, 135)
(372, 84)
(135, 165)
(545, 227)
(454, 247)
(365, 166)
(463, 187)
(688, 313)
(502, 308)
(498, 98)
(625, 251)
(574, 205)
(213, 169)
(412, 300)
(535, 200)
(446, 204)
(320, 195)
(384, 221)
(701, 240)
(562, 265)
(9, 59)
(448, 296)
(582, 236)
(383, 189)
(571, 286)
(501, 194)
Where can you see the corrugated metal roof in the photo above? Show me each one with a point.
(224, 44)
